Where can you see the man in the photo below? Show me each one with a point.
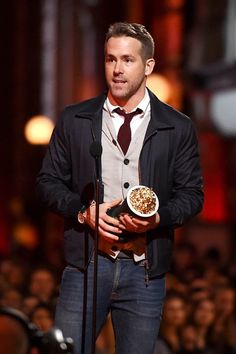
(162, 155)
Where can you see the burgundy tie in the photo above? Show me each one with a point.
(124, 134)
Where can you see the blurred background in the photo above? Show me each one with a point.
(52, 55)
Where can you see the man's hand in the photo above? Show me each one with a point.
(108, 226)
(137, 224)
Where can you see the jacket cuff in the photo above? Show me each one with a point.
(74, 207)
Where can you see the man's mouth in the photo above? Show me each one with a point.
(118, 81)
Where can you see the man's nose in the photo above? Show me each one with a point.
(118, 67)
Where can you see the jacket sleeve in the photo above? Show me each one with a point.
(187, 184)
(53, 184)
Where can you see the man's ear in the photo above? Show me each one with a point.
(150, 63)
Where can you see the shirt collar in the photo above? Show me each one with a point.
(143, 104)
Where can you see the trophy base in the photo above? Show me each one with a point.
(125, 236)
(115, 211)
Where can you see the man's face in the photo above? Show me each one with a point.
(125, 69)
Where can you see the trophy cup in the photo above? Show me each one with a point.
(141, 201)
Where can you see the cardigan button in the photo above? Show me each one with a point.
(126, 161)
(126, 185)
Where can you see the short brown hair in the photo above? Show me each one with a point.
(134, 30)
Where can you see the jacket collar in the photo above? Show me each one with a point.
(160, 112)
(92, 108)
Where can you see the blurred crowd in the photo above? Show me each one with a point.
(199, 314)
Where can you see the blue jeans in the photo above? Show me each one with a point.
(135, 308)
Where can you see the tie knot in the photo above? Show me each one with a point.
(124, 134)
(128, 116)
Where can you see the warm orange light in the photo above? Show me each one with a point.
(26, 235)
(160, 86)
(38, 130)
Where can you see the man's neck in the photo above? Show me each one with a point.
(127, 104)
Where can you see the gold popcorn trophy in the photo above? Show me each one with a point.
(141, 201)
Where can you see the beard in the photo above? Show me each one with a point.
(124, 91)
